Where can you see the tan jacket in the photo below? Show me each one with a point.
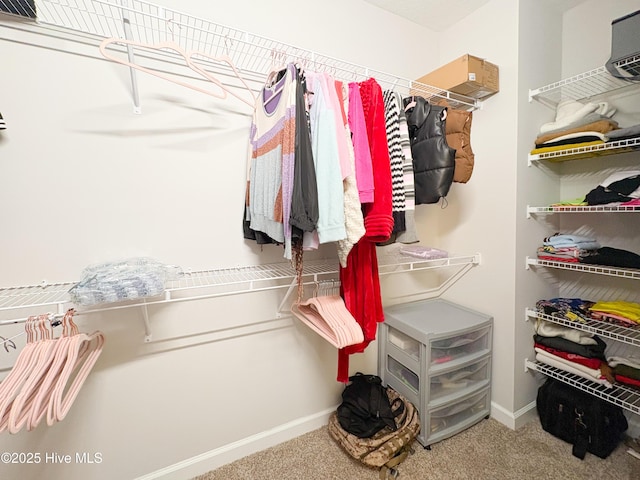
(458, 132)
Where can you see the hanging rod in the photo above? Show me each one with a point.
(253, 55)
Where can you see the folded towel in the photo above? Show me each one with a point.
(567, 112)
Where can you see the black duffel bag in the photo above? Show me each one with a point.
(589, 423)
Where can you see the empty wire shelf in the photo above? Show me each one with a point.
(585, 86)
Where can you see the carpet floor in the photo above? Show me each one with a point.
(485, 451)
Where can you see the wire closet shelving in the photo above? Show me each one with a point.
(582, 209)
(629, 335)
(587, 86)
(253, 55)
(629, 273)
(203, 284)
(624, 396)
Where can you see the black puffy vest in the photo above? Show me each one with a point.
(433, 159)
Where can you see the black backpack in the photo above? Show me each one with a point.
(365, 407)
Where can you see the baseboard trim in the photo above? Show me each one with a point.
(514, 420)
(218, 457)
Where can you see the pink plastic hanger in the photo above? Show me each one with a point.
(221, 92)
(21, 406)
(191, 61)
(327, 315)
(25, 364)
(82, 352)
(40, 403)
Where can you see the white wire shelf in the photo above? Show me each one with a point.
(629, 335)
(630, 273)
(395, 262)
(624, 396)
(589, 151)
(220, 282)
(585, 86)
(582, 209)
(253, 55)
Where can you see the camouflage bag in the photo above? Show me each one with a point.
(387, 448)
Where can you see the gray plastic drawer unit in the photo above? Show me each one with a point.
(438, 355)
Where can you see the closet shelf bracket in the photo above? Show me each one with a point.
(145, 319)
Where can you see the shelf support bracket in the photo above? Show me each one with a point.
(294, 284)
(147, 326)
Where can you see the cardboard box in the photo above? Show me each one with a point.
(467, 75)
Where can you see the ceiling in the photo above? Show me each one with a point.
(439, 15)
(436, 15)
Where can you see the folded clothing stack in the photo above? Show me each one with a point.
(618, 188)
(567, 248)
(576, 124)
(626, 369)
(580, 125)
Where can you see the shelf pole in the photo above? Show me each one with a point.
(134, 80)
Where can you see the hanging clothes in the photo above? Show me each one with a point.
(354, 220)
(392, 124)
(361, 149)
(326, 156)
(304, 201)
(271, 163)
(378, 215)
(410, 233)
(458, 133)
(360, 281)
(433, 159)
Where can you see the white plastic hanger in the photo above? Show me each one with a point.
(221, 92)
(223, 59)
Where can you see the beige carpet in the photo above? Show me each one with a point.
(486, 451)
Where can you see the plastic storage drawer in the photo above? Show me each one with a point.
(452, 418)
(460, 348)
(449, 385)
(404, 342)
(403, 373)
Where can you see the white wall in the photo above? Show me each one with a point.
(84, 180)
(480, 215)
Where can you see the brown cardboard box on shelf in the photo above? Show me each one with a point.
(467, 75)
